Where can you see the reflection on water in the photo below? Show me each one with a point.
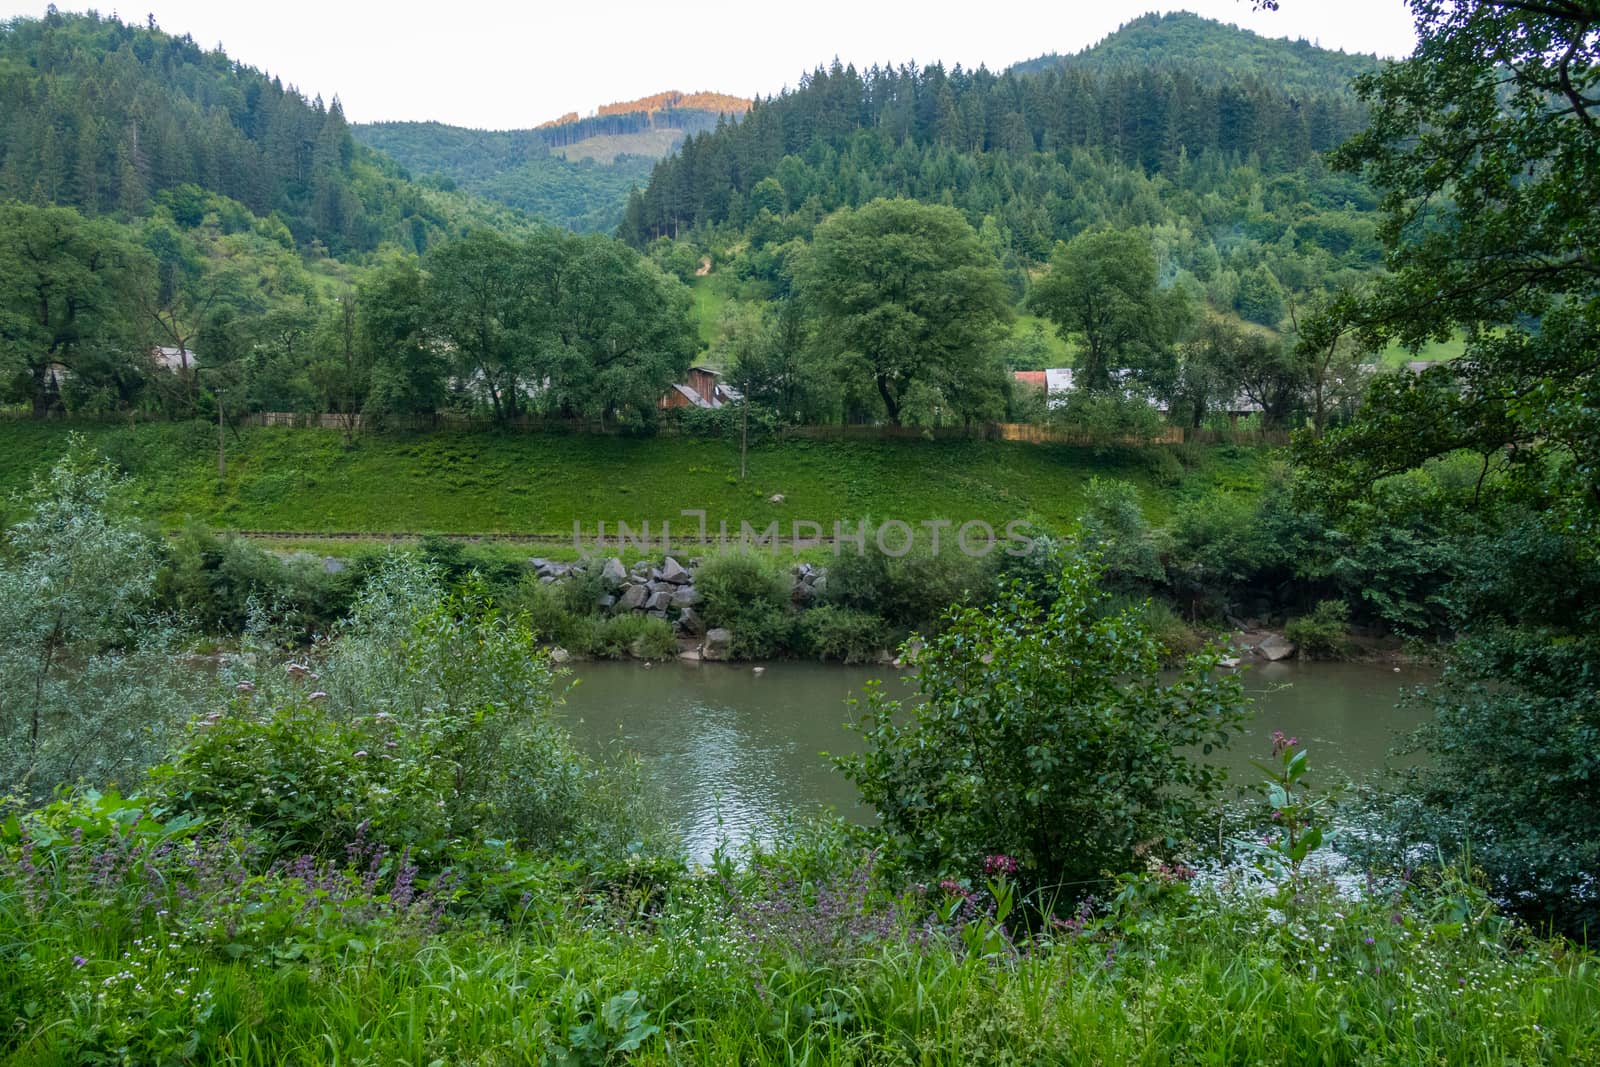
(739, 751)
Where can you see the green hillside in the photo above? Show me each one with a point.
(575, 174)
(1212, 51)
(105, 117)
(308, 481)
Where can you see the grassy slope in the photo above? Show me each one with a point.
(306, 480)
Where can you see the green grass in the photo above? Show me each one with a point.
(1397, 356)
(710, 297)
(717, 971)
(1061, 352)
(307, 481)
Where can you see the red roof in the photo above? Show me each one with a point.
(1034, 378)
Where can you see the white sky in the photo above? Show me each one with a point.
(509, 65)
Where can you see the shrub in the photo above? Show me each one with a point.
(1046, 734)
(909, 592)
(222, 582)
(1323, 633)
(431, 720)
(1513, 779)
(764, 631)
(633, 634)
(89, 678)
(1113, 525)
(733, 583)
(831, 632)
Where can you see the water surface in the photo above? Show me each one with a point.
(739, 752)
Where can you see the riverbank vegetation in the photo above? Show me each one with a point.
(288, 858)
(356, 829)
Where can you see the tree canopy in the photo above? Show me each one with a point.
(910, 297)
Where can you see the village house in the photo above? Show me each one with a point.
(702, 389)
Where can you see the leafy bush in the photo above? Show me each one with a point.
(222, 582)
(909, 592)
(633, 634)
(733, 583)
(1048, 735)
(1114, 526)
(831, 632)
(1324, 633)
(764, 631)
(1513, 779)
(436, 728)
(90, 678)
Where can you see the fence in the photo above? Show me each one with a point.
(1026, 433)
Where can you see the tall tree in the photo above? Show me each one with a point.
(478, 303)
(909, 295)
(1101, 292)
(66, 284)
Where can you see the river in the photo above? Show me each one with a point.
(739, 752)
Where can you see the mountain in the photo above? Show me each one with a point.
(1212, 50)
(104, 117)
(1002, 144)
(572, 171)
(1203, 138)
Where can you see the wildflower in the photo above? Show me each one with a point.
(1370, 940)
(318, 695)
(953, 887)
(245, 687)
(999, 863)
(78, 961)
(359, 753)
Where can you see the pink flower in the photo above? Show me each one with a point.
(999, 863)
(360, 753)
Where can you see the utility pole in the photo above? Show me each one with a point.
(222, 446)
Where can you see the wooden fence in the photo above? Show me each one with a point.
(1027, 433)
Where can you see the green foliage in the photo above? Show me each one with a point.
(1048, 735)
(89, 679)
(831, 632)
(909, 297)
(66, 286)
(525, 169)
(576, 326)
(909, 592)
(220, 582)
(109, 117)
(436, 727)
(1113, 527)
(1324, 634)
(733, 584)
(1513, 785)
(1101, 293)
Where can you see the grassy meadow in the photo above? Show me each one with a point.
(309, 481)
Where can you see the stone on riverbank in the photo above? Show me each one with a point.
(719, 644)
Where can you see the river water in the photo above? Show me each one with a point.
(739, 752)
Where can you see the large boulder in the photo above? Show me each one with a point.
(605, 601)
(718, 645)
(691, 623)
(674, 572)
(633, 598)
(1277, 647)
(685, 596)
(613, 573)
(659, 600)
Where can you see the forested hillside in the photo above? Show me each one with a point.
(575, 172)
(1213, 52)
(104, 117)
(1014, 145)
(180, 234)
